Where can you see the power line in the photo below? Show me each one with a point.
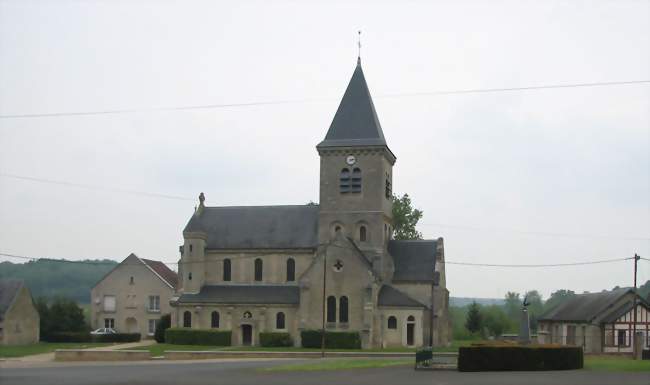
(93, 187)
(297, 101)
(174, 197)
(540, 233)
(537, 265)
(256, 256)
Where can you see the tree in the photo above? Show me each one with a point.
(405, 218)
(164, 323)
(535, 307)
(62, 315)
(557, 297)
(495, 320)
(513, 305)
(474, 321)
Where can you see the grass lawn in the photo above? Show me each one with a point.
(616, 364)
(43, 347)
(339, 364)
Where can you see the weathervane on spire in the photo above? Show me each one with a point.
(359, 45)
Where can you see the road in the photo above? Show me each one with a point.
(244, 373)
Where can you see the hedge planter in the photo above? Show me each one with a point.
(534, 357)
(275, 339)
(333, 340)
(206, 337)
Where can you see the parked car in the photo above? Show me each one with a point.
(102, 331)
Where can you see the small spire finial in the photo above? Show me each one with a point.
(359, 45)
(201, 199)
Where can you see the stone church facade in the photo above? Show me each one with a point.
(252, 269)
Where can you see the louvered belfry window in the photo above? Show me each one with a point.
(356, 180)
(344, 182)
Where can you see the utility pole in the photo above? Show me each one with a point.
(636, 262)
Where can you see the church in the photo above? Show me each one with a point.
(252, 269)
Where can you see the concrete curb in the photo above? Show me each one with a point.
(101, 355)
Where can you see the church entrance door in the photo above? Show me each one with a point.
(410, 333)
(247, 335)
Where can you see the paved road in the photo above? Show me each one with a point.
(244, 373)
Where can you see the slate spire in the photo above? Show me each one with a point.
(355, 122)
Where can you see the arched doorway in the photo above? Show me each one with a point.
(410, 331)
(246, 334)
(131, 325)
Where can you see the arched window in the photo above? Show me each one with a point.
(189, 276)
(356, 180)
(410, 319)
(331, 309)
(214, 320)
(344, 180)
(279, 321)
(392, 322)
(291, 270)
(226, 269)
(258, 269)
(362, 234)
(187, 319)
(337, 229)
(343, 309)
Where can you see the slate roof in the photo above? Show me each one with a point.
(585, 307)
(8, 290)
(245, 294)
(258, 227)
(356, 122)
(389, 296)
(414, 260)
(163, 271)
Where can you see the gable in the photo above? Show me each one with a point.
(157, 269)
(9, 290)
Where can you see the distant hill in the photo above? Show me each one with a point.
(51, 278)
(464, 301)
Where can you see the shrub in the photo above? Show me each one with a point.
(333, 340)
(117, 337)
(164, 323)
(183, 336)
(531, 357)
(68, 337)
(275, 339)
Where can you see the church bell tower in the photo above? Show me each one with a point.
(356, 175)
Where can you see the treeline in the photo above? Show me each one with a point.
(482, 321)
(54, 279)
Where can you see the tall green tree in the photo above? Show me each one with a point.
(495, 320)
(474, 321)
(61, 315)
(535, 307)
(405, 218)
(513, 305)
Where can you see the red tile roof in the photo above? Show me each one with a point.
(163, 271)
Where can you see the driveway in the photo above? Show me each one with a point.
(244, 373)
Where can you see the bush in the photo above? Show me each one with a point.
(183, 336)
(275, 339)
(333, 340)
(117, 337)
(532, 357)
(68, 337)
(164, 323)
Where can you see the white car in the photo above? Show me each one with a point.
(102, 331)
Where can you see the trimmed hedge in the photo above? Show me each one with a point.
(275, 339)
(333, 340)
(87, 337)
(118, 337)
(185, 336)
(532, 357)
(68, 337)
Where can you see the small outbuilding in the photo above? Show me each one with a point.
(19, 320)
(599, 322)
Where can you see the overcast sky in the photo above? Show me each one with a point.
(530, 177)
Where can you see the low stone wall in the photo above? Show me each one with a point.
(101, 355)
(205, 355)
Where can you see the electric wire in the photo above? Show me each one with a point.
(297, 101)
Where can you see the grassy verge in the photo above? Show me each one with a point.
(616, 364)
(339, 364)
(42, 347)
